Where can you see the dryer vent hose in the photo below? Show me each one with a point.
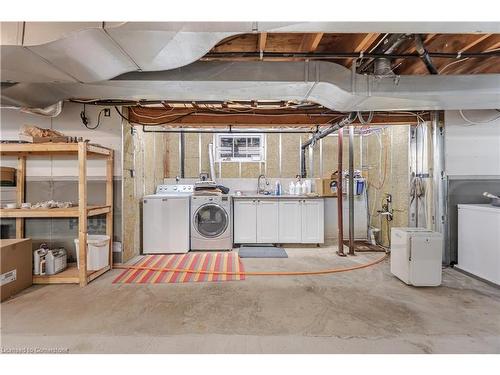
(268, 273)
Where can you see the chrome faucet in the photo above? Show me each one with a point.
(259, 189)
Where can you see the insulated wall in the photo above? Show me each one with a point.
(282, 157)
(386, 165)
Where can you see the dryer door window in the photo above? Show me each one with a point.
(211, 220)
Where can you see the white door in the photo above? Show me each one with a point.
(267, 221)
(312, 221)
(165, 225)
(245, 221)
(289, 221)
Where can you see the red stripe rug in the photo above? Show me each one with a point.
(207, 261)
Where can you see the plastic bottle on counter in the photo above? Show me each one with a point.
(291, 188)
(308, 186)
(298, 188)
(277, 188)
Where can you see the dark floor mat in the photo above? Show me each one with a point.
(262, 252)
(361, 246)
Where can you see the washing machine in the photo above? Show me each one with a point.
(211, 222)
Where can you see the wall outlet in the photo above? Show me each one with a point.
(107, 112)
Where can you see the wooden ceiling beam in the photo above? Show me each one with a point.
(479, 66)
(262, 42)
(452, 44)
(144, 115)
(310, 42)
(358, 42)
(366, 42)
(476, 41)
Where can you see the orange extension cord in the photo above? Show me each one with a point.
(288, 273)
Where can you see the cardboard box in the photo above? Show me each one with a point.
(16, 266)
(322, 187)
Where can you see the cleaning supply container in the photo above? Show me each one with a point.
(97, 252)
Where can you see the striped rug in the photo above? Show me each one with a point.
(207, 261)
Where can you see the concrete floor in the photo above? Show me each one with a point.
(363, 311)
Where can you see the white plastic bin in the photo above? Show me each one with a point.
(97, 252)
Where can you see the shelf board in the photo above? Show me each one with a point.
(51, 212)
(51, 148)
(68, 276)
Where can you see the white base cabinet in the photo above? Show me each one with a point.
(245, 221)
(278, 220)
(267, 221)
(312, 220)
(290, 221)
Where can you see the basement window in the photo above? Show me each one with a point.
(239, 147)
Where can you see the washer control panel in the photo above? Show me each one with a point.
(174, 189)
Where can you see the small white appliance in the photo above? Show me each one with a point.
(211, 223)
(166, 220)
(416, 256)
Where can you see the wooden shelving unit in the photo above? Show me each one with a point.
(83, 151)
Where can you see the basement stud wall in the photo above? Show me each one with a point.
(386, 153)
(285, 167)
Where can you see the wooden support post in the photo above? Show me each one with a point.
(20, 192)
(82, 212)
(109, 202)
(340, 197)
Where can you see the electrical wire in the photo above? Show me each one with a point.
(471, 122)
(158, 123)
(86, 121)
(362, 120)
(206, 114)
(452, 63)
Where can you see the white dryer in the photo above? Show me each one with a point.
(211, 223)
(166, 220)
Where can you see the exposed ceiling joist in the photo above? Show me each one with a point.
(310, 42)
(366, 42)
(474, 42)
(262, 42)
(274, 46)
(456, 43)
(200, 118)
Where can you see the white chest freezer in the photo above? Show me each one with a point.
(416, 256)
(479, 241)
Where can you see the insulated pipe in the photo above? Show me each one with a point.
(182, 146)
(53, 110)
(351, 190)
(225, 131)
(322, 134)
(340, 213)
(211, 160)
(424, 55)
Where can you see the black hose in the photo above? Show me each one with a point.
(424, 55)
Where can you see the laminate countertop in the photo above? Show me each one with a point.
(286, 196)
